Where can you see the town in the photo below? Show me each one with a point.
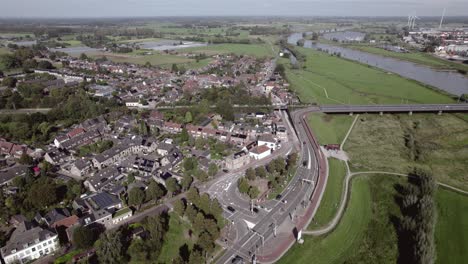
(233, 139)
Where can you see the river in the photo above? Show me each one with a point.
(448, 81)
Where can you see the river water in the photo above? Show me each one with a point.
(451, 82)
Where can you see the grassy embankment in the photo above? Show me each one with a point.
(416, 57)
(381, 143)
(364, 234)
(452, 227)
(331, 80)
(330, 130)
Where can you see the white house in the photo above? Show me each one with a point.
(260, 152)
(29, 242)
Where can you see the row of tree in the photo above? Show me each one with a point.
(417, 224)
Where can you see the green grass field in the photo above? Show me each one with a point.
(332, 196)
(378, 143)
(174, 239)
(365, 233)
(452, 227)
(258, 50)
(4, 51)
(155, 59)
(329, 129)
(331, 80)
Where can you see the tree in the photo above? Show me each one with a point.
(110, 249)
(188, 117)
(9, 82)
(138, 251)
(83, 56)
(83, 237)
(144, 130)
(187, 182)
(43, 64)
(212, 169)
(260, 171)
(42, 194)
(243, 185)
(154, 191)
(25, 159)
(174, 68)
(179, 207)
(136, 196)
(184, 136)
(253, 192)
(172, 185)
(250, 174)
(292, 160)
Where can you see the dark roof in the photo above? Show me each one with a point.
(9, 174)
(26, 235)
(102, 200)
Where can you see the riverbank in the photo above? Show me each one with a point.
(415, 57)
(329, 79)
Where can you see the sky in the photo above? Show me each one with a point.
(155, 8)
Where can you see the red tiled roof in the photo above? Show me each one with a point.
(67, 222)
(260, 149)
(76, 132)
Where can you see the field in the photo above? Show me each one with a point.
(175, 238)
(331, 80)
(332, 196)
(452, 227)
(4, 51)
(416, 57)
(329, 129)
(258, 50)
(365, 233)
(440, 144)
(155, 58)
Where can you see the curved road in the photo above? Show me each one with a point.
(298, 204)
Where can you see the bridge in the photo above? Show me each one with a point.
(350, 109)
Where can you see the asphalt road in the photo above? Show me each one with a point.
(296, 195)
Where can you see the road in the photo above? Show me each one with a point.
(340, 109)
(303, 193)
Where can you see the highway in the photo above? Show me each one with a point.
(340, 109)
(304, 191)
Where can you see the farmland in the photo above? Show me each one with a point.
(258, 50)
(332, 80)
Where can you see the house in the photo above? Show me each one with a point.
(29, 242)
(53, 216)
(56, 156)
(156, 116)
(282, 133)
(267, 140)
(116, 154)
(82, 139)
(237, 160)
(7, 175)
(101, 179)
(172, 127)
(121, 215)
(97, 208)
(81, 167)
(164, 149)
(332, 147)
(260, 152)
